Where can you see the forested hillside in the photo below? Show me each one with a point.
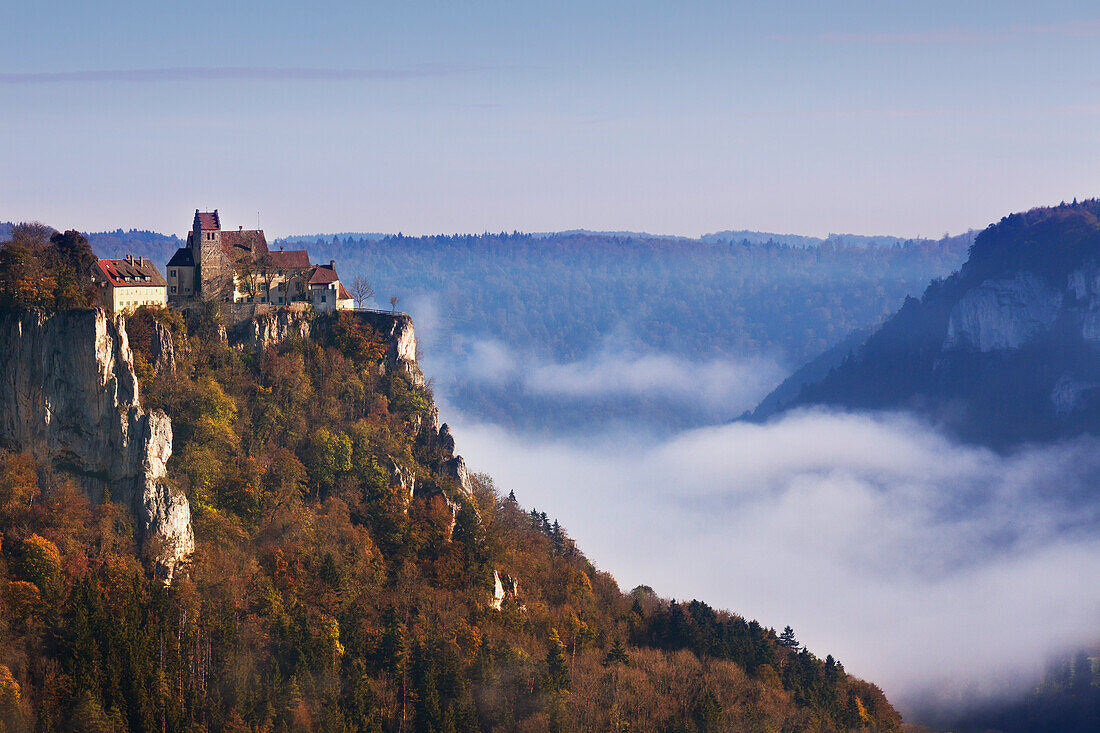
(344, 580)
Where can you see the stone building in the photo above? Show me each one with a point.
(123, 285)
(326, 292)
(238, 267)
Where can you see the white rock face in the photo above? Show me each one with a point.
(401, 477)
(397, 330)
(456, 469)
(269, 329)
(498, 592)
(70, 397)
(1084, 288)
(1003, 314)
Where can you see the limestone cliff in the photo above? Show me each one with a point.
(396, 329)
(1007, 350)
(1003, 313)
(70, 397)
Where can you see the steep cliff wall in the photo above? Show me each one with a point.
(70, 397)
(396, 329)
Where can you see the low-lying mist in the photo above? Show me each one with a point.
(945, 572)
(621, 380)
(932, 568)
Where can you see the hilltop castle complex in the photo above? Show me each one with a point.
(237, 267)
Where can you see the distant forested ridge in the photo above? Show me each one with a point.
(562, 298)
(119, 243)
(561, 293)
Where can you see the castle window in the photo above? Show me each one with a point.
(173, 288)
(171, 273)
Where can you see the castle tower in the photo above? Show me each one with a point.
(207, 246)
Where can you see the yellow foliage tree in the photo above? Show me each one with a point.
(39, 562)
(9, 698)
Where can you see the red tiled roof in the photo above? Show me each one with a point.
(342, 293)
(137, 269)
(244, 245)
(323, 275)
(297, 259)
(207, 220)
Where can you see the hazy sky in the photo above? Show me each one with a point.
(673, 117)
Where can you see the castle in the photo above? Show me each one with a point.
(237, 267)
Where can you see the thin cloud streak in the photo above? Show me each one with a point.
(1076, 29)
(236, 73)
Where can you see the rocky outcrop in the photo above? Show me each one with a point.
(397, 330)
(163, 349)
(453, 466)
(401, 477)
(504, 586)
(1003, 313)
(71, 398)
(497, 599)
(269, 329)
(1006, 351)
(273, 327)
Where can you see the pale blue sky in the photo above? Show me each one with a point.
(686, 117)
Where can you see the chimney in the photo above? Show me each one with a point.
(240, 227)
(332, 264)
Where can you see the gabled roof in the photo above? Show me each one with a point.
(244, 245)
(184, 257)
(207, 220)
(296, 259)
(342, 293)
(323, 275)
(129, 272)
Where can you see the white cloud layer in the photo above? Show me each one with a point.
(718, 388)
(921, 564)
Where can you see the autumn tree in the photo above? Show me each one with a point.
(557, 671)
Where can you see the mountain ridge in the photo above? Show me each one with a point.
(1002, 352)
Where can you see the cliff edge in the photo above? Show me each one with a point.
(71, 398)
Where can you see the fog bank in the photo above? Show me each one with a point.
(923, 565)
